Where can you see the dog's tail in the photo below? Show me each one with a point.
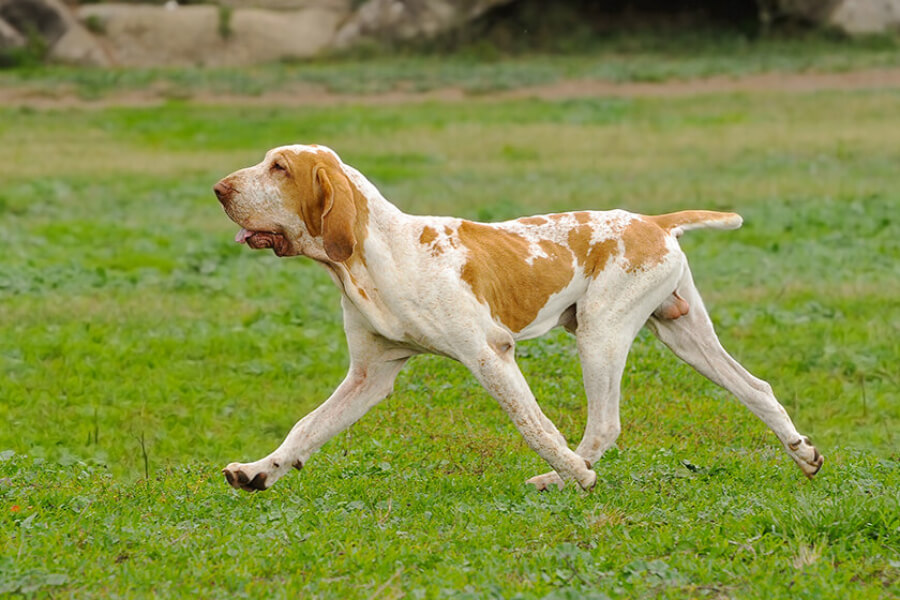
(678, 222)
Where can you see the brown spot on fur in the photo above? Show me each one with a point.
(499, 275)
(582, 216)
(362, 293)
(538, 220)
(591, 256)
(645, 245)
(428, 235)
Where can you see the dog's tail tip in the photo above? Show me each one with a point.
(678, 222)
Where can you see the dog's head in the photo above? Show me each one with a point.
(298, 200)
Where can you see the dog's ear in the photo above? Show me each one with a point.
(338, 212)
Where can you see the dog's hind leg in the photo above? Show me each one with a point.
(606, 327)
(693, 338)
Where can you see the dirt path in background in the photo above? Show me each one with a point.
(313, 95)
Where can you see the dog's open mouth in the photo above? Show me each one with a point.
(264, 239)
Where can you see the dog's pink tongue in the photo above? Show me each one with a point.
(242, 235)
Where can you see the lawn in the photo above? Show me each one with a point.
(142, 350)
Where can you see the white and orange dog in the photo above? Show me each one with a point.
(469, 291)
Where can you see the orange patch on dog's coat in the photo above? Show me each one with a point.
(497, 271)
(428, 235)
(592, 257)
(645, 245)
(538, 220)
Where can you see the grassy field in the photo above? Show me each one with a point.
(142, 350)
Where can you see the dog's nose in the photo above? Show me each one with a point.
(223, 191)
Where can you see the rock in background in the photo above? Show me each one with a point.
(65, 38)
(866, 16)
(10, 37)
(245, 32)
(210, 35)
(389, 20)
(854, 17)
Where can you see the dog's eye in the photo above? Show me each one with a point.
(277, 166)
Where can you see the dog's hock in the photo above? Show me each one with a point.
(503, 344)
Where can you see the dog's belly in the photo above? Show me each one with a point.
(549, 316)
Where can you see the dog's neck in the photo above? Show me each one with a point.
(382, 215)
(381, 222)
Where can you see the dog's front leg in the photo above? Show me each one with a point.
(365, 385)
(496, 369)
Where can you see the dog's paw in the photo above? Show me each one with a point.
(247, 477)
(806, 456)
(255, 477)
(546, 481)
(588, 483)
(552, 479)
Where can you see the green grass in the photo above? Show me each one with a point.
(133, 328)
(478, 70)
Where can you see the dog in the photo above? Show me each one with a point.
(469, 291)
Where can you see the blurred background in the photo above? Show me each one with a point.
(238, 33)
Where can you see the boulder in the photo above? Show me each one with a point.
(854, 17)
(267, 35)
(78, 47)
(150, 36)
(47, 18)
(812, 11)
(68, 41)
(409, 19)
(10, 37)
(341, 6)
(860, 17)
